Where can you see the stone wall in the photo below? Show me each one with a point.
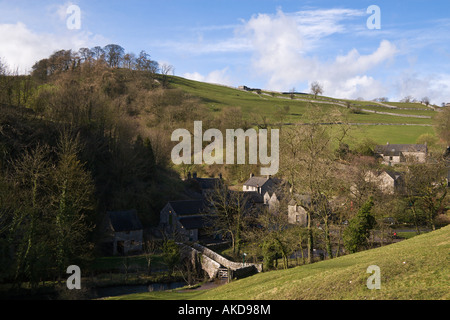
(210, 266)
(225, 262)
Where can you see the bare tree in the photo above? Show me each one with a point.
(309, 166)
(316, 89)
(150, 248)
(426, 101)
(129, 61)
(165, 70)
(114, 55)
(229, 213)
(426, 189)
(407, 99)
(144, 63)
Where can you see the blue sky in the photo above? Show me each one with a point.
(269, 44)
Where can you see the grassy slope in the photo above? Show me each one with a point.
(255, 106)
(417, 268)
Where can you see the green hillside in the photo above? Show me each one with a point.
(416, 269)
(405, 126)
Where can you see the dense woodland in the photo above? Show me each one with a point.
(89, 131)
(84, 133)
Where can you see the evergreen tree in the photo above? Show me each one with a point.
(357, 233)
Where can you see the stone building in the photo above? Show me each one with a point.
(260, 185)
(296, 210)
(388, 181)
(123, 233)
(185, 219)
(271, 201)
(402, 153)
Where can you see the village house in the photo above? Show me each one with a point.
(204, 185)
(123, 233)
(261, 185)
(185, 219)
(388, 181)
(296, 210)
(402, 153)
(271, 201)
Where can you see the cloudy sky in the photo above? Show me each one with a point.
(268, 44)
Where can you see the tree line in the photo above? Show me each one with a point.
(111, 56)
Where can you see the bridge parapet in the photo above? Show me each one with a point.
(225, 262)
(195, 256)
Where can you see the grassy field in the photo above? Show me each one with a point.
(254, 107)
(394, 134)
(416, 269)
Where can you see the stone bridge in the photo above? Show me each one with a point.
(212, 263)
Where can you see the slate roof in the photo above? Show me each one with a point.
(256, 181)
(254, 196)
(191, 223)
(397, 149)
(300, 199)
(188, 207)
(207, 183)
(393, 174)
(124, 221)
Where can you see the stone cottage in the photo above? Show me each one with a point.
(296, 210)
(388, 181)
(271, 201)
(401, 153)
(123, 233)
(186, 219)
(205, 186)
(260, 185)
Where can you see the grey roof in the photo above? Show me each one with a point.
(188, 207)
(124, 221)
(397, 149)
(393, 174)
(207, 183)
(191, 223)
(300, 199)
(254, 196)
(256, 181)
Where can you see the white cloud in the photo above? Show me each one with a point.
(282, 55)
(22, 47)
(216, 77)
(314, 25)
(434, 86)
